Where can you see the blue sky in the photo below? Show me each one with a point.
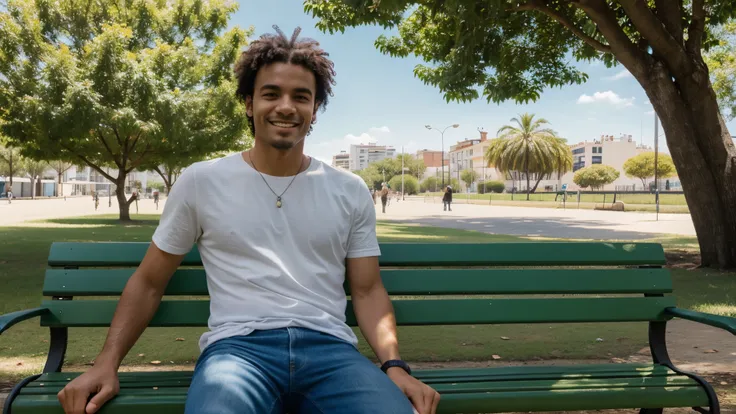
(378, 99)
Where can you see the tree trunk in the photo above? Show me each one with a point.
(123, 204)
(536, 184)
(526, 168)
(705, 159)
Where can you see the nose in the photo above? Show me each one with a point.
(285, 106)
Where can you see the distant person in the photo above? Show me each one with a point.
(9, 193)
(447, 198)
(373, 194)
(384, 197)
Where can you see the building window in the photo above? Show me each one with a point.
(578, 165)
(597, 150)
(597, 159)
(579, 150)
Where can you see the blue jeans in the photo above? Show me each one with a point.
(290, 370)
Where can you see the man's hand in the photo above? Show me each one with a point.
(101, 381)
(423, 397)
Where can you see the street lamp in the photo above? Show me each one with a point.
(442, 133)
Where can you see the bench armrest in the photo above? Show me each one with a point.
(10, 319)
(723, 322)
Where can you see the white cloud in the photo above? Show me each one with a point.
(324, 150)
(620, 75)
(592, 118)
(384, 129)
(647, 103)
(606, 97)
(649, 112)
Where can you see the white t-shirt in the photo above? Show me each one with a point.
(270, 267)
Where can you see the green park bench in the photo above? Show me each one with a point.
(539, 283)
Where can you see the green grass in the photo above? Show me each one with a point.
(25, 249)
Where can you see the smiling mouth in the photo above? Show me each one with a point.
(283, 124)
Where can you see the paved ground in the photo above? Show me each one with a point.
(24, 210)
(521, 221)
(549, 222)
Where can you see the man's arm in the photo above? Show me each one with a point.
(377, 322)
(138, 303)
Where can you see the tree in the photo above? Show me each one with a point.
(34, 170)
(595, 176)
(642, 166)
(11, 163)
(528, 147)
(429, 184)
(411, 184)
(491, 187)
(60, 166)
(721, 61)
(468, 176)
(514, 49)
(119, 87)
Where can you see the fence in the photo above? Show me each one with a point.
(636, 200)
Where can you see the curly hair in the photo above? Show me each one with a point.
(273, 48)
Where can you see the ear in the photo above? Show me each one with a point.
(249, 106)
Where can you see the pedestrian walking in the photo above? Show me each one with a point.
(447, 199)
(384, 197)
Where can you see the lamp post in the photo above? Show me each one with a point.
(442, 134)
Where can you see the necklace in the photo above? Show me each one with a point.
(279, 203)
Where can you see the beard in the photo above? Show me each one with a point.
(283, 145)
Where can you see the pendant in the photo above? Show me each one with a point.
(278, 202)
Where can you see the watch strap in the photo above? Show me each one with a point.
(396, 363)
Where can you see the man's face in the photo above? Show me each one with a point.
(283, 104)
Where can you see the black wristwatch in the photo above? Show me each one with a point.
(396, 363)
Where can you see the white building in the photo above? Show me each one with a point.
(607, 150)
(363, 155)
(341, 160)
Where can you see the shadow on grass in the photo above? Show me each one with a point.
(105, 220)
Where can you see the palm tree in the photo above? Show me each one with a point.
(529, 147)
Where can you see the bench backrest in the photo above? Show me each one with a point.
(563, 282)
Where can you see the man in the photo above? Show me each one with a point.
(384, 197)
(447, 198)
(276, 257)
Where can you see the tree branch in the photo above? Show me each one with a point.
(663, 44)
(158, 170)
(107, 147)
(670, 13)
(88, 162)
(139, 161)
(695, 30)
(539, 5)
(633, 59)
(135, 141)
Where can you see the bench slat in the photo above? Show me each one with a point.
(101, 282)
(96, 313)
(146, 387)
(430, 375)
(492, 400)
(407, 254)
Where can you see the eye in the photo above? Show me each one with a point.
(302, 98)
(269, 95)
